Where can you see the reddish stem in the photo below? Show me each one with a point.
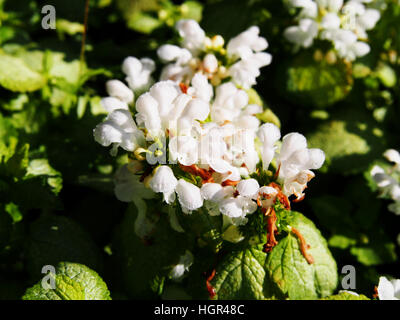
(205, 175)
(210, 288)
(271, 230)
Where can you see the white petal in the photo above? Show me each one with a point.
(210, 190)
(385, 289)
(290, 143)
(147, 107)
(231, 207)
(131, 66)
(184, 149)
(269, 134)
(168, 52)
(164, 92)
(110, 104)
(392, 155)
(193, 35)
(189, 195)
(106, 133)
(163, 180)
(118, 89)
(248, 187)
(210, 63)
(317, 158)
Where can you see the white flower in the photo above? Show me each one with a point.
(178, 271)
(388, 290)
(138, 72)
(164, 181)
(237, 207)
(192, 34)
(200, 88)
(304, 34)
(179, 57)
(294, 162)
(119, 129)
(189, 196)
(228, 103)
(267, 196)
(348, 46)
(118, 89)
(330, 21)
(172, 53)
(382, 179)
(241, 150)
(392, 155)
(184, 149)
(248, 46)
(211, 191)
(165, 107)
(345, 25)
(210, 63)
(309, 8)
(247, 42)
(330, 5)
(110, 104)
(248, 188)
(268, 134)
(369, 19)
(245, 71)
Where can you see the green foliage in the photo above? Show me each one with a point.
(72, 282)
(146, 263)
(53, 239)
(57, 203)
(16, 76)
(348, 136)
(243, 275)
(346, 296)
(146, 16)
(314, 84)
(289, 269)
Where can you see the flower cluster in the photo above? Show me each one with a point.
(344, 23)
(195, 138)
(240, 61)
(388, 180)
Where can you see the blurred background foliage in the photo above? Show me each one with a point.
(56, 190)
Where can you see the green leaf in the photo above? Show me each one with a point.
(138, 14)
(16, 166)
(288, 268)
(143, 265)
(341, 241)
(14, 212)
(143, 22)
(242, 275)
(16, 76)
(191, 10)
(313, 84)
(351, 139)
(53, 239)
(73, 281)
(69, 27)
(375, 254)
(41, 167)
(346, 296)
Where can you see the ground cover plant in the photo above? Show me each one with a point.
(199, 150)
